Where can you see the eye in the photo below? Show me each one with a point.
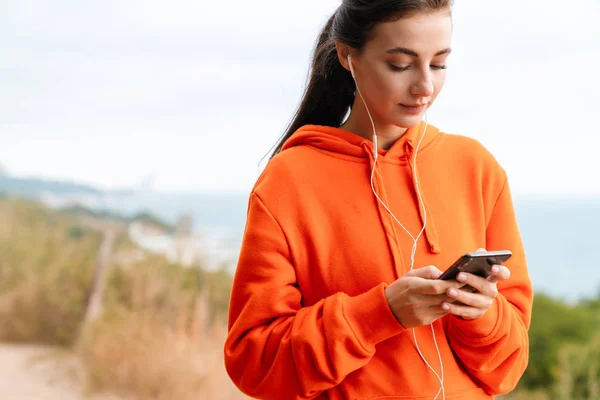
(395, 68)
(399, 69)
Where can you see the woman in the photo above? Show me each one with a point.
(336, 293)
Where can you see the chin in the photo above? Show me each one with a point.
(408, 121)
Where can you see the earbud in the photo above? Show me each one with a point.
(375, 146)
(350, 64)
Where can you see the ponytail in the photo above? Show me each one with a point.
(330, 91)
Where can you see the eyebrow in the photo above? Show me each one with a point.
(403, 50)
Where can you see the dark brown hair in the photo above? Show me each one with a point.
(330, 90)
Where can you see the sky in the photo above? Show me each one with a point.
(190, 95)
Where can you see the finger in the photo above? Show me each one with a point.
(437, 310)
(436, 299)
(499, 273)
(480, 250)
(465, 312)
(470, 299)
(429, 272)
(436, 286)
(480, 284)
(467, 288)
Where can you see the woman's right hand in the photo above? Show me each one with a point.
(416, 298)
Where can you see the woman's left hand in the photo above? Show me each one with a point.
(474, 305)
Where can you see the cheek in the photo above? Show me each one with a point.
(438, 83)
(388, 86)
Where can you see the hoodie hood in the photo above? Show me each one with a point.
(343, 142)
(347, 144)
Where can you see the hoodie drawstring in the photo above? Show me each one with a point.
(388, 221)
(430, 231)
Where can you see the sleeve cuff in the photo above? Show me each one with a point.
(371, 318)
(482, 329)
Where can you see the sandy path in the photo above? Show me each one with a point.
(41, 373)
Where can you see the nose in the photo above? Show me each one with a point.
(423, 85)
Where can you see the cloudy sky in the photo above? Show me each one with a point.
(190, 95)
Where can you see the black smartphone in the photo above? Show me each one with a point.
(477, 263)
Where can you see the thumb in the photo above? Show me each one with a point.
(480, 250)
(429, 272)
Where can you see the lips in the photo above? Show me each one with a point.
(413, 108)
(413, 105)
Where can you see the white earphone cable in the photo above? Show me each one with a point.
(415, 240)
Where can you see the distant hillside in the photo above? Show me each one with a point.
(70, 192)
(32, 187)
(144, 217)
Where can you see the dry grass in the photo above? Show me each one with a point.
(162, 335)
(162, 332)
(142, 358)
(46, 265)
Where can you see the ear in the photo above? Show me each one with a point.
(342, 52)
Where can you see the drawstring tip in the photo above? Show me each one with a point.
(436, 248)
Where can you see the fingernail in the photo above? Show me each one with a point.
(495, 269)
(453, 292)
(462, 277)
(445, 306)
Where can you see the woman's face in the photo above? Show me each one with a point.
(402, 68)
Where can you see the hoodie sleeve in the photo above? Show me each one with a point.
(278, 349)
(495, 347)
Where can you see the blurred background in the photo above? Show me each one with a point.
(132, 132)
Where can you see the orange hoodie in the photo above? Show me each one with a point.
(308, 314)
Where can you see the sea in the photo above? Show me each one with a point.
(561, 234)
